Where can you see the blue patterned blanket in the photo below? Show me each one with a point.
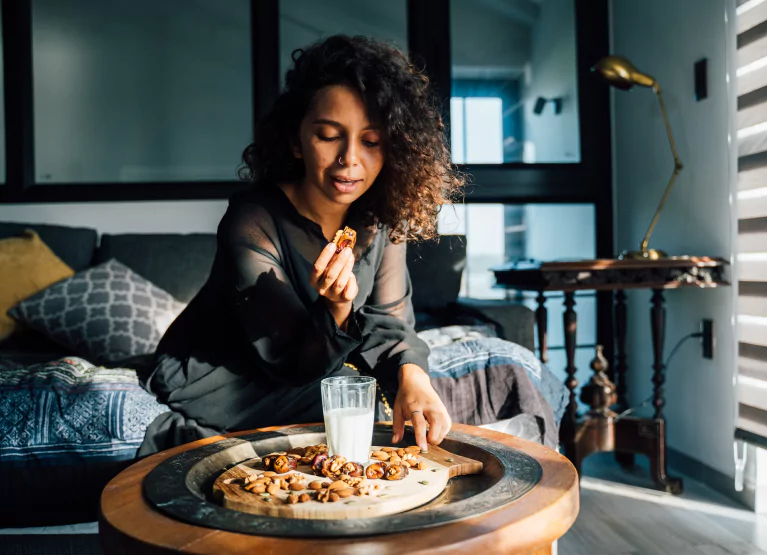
(62, 411)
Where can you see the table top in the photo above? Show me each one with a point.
(613, 274)
(129, 524)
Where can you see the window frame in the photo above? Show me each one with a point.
(429, 44)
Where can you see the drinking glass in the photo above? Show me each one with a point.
(348, 404)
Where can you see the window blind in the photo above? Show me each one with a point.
(751, 85)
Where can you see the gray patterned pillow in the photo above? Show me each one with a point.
(107, 312)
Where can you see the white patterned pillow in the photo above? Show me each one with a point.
(107, 312)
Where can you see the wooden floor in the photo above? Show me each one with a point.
(618, 517)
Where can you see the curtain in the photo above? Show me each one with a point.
(751, 86)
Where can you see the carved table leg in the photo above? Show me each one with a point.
(541, 318)
(620, 355)
(656, 449)
(621, 367)
(570, 418)
(658, 319)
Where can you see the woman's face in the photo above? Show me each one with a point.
(341, 148)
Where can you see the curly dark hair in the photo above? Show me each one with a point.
(418, 176)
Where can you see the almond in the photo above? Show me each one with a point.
(395, 459)
(316, 485)
(344, 493)
(340, 484)
(304, 497)
(273, 489)
(380, 455)
(389, 449)
(401, 452)
(413, 449)
(292, 499)
(334, 497)
(296, 487)
(421, 465)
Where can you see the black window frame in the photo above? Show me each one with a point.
(586, 181)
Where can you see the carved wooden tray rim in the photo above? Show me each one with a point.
(178, 487)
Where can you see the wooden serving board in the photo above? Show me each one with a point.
(418, 488)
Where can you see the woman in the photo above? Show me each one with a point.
(355, 140)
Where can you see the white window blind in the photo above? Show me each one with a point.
(751, 84)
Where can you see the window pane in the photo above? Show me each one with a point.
(139, 90)
(303, 22)
(516, 60)
(500, 233)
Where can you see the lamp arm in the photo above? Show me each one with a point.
(677, 168)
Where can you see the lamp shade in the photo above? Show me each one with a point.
(621, 74)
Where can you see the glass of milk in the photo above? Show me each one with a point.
(348, 404)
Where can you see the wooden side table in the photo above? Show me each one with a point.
(599, 430)
(528, 525)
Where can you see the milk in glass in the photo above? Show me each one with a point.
(350, 433)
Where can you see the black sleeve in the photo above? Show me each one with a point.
(388, 337)
(294, 344)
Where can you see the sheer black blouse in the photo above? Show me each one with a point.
(258, 329)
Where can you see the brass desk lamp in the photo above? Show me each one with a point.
(621, 74)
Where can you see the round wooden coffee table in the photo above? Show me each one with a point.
(130, 524)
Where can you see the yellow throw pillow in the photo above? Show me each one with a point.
(27, 266)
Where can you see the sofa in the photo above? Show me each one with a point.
(179, 264)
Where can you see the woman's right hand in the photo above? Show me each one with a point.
(334, 280)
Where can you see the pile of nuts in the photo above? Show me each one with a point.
(349, 478)
(272, 483)
(269, 484)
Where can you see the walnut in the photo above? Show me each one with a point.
(352, 469)
(323, 496)
(312, 451)
(376, 471)
(332, 467)
(396, 472)
(352, 481)
(284, 463)
(268, 460)
(345, 237)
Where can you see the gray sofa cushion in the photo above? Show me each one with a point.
(179, 264)
(435, 270)
(74, 245)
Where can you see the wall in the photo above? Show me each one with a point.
(303, 22)
(556, 138)
(664, 39)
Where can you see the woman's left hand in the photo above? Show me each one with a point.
(418, 402)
